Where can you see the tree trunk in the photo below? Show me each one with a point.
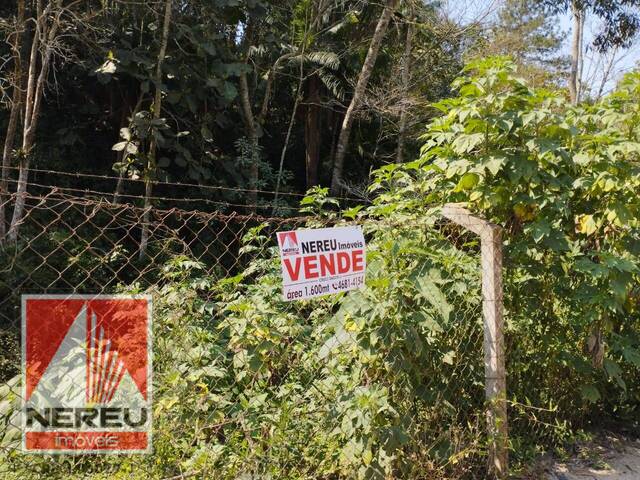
(283, 153)
(16, 106)
(312, 132)
(33, 103)
(581, 60)
(406, 78)
(606, 73)
(335, 132)
(269, 87)
(576, 51)
(157, 109)
(252, 135)
(361, 85)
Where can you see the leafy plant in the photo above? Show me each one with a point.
(562, 180)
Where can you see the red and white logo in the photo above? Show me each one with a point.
(288, 242)
(86, 364)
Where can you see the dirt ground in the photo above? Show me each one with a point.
(610, 457)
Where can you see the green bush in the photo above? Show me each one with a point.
(563, 182)
(363, 385)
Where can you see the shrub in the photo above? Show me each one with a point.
(563, 182)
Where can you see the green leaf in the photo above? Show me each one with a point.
(352, 212)
(206, 133)
(582, 159)
(467, 181)
(125, 133)
(107, 68)
(449, 357)
(585, 265)
(494, 164)
(590, 393)
(466, 142)
(434, 295)
(631, 355)
(427, 322)
(118, 147)
(539, 230)
(228, 91)
(213, 371)
(614, 372)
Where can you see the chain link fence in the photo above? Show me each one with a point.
(383, 382)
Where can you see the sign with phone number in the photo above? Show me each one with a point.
(321, 261)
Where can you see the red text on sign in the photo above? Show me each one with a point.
(324, 265)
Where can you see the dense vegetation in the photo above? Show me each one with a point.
(562, 180)
(254, 94)
(367, 384)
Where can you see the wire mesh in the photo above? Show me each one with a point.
(383, 382)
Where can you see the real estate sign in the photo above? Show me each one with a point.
(321, 261)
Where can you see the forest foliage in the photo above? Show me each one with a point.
(253, 93)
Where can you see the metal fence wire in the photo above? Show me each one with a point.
(383, 382)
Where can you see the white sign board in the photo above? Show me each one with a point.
(321, 261)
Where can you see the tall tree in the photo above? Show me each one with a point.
(250, 123)
(253, 33)
(361, 85)
(153, 145)
(48, 22)
(620, 21)
(315, 65)
(312, 131)
(18, 53)
(577, 50)
(221, 83)
(406, 80)
(526, 32)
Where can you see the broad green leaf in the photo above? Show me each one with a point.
(434, 295)
(539, 230)
(352, 212)
(494, 164)
(466, 142)
(590, 393)
(468, 181)
(614, 372)
(118, 147)
(631, 355)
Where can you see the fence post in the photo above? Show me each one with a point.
(492, 313)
